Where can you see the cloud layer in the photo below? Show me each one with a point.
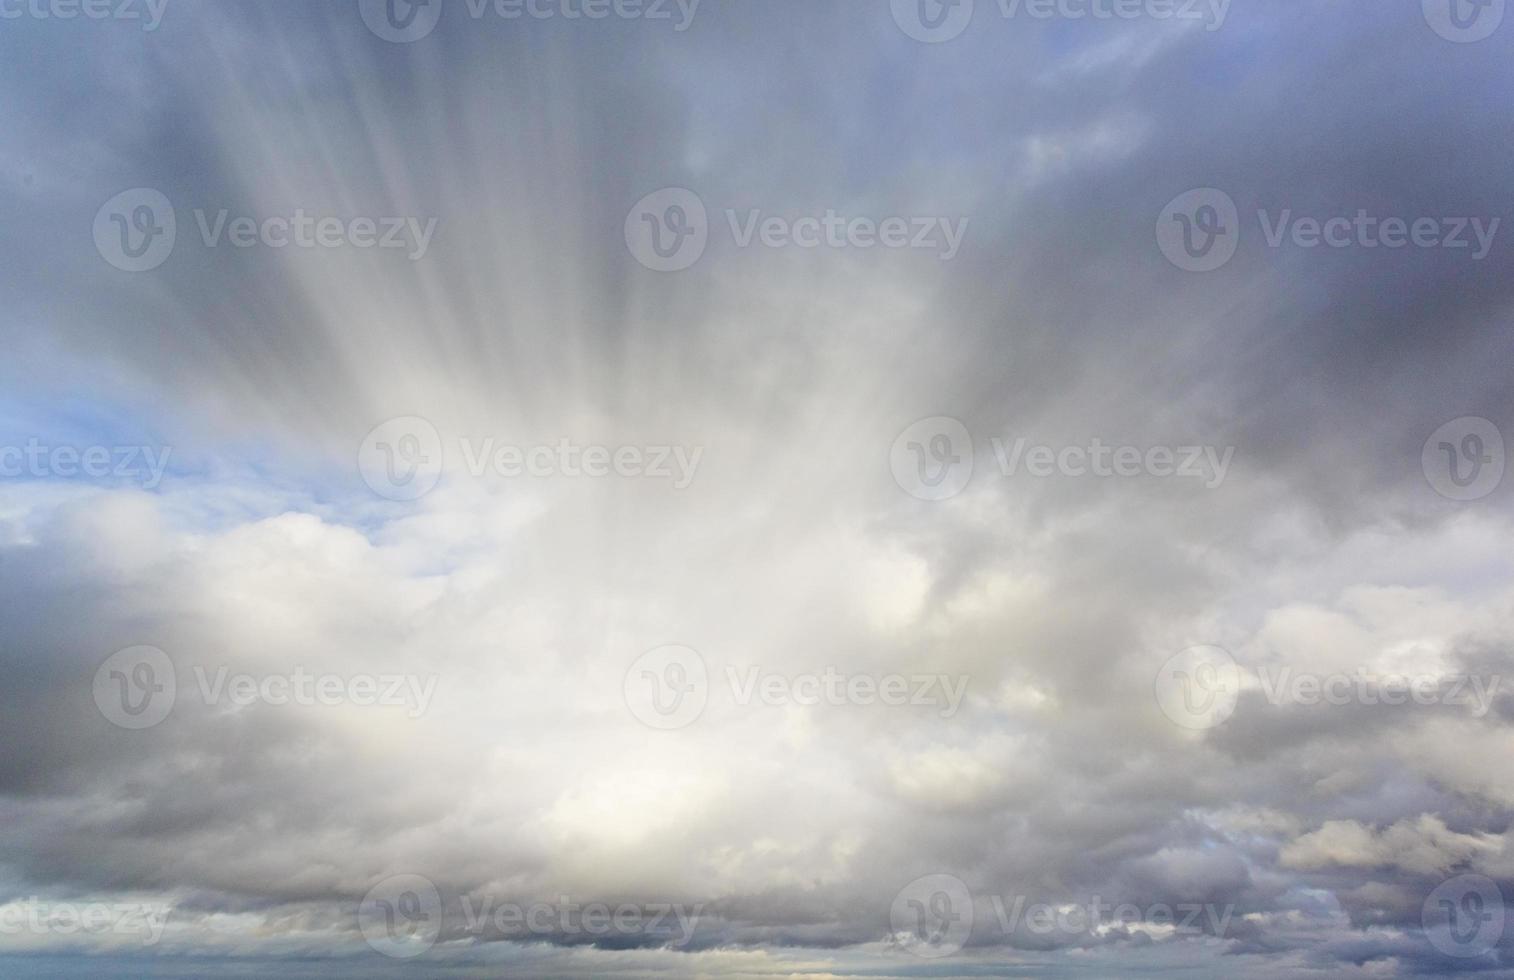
(894, 683)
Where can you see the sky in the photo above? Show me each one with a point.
(885, 488)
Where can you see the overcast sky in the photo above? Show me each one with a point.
(624, 487)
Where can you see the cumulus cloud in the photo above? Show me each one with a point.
(890, 689)
(1423, 847)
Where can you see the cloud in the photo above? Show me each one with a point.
(526, 776)
(1422, 847)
